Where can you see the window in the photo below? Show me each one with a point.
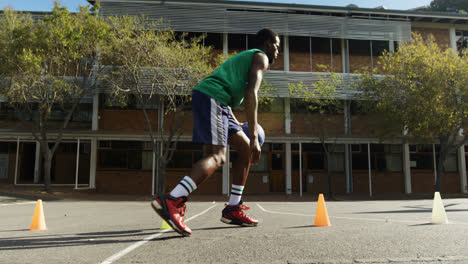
(186, 154)
(83, 113)
(326, 55)
(421, 157)
(214, 40)
(337, 162)
(378, 49)
(237, 43)
(278, 147)
(315, 161)
(386, 157)
(4, 147)
(137, 155)
(421, 161)
(277, 161)
(250, 41)
(299, 54)
(381, 157)
(313, 147)
(113, 159)
(123, 155)
(181, 159)
(360, 162)
(262, 163)
(359, 55)
(450, 164)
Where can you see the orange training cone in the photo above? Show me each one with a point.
(38, 220)
(321, 216)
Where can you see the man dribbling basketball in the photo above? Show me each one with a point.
(236, 80)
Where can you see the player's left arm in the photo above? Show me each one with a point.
(258, 68)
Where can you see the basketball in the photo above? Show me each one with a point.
(261, 133)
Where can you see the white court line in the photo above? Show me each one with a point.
(274, 212)
(356, 218)
(127, 250)
(17, 203)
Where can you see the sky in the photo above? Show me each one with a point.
(72, 5)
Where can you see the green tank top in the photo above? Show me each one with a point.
(228, 83)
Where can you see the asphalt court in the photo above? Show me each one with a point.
(397, 231)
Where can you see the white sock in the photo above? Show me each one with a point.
(236, 194)
(184, 188)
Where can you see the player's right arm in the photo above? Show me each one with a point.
(258, 67)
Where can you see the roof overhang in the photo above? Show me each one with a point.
(370, 13)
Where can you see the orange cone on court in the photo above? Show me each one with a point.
(38, 220)
(321, 215)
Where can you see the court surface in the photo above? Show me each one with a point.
(397, 231)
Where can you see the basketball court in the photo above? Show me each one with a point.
(396, 231)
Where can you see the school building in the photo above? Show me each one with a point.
(109, 149)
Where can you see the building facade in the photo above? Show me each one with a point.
(108, 148)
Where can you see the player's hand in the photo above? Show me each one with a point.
(255, 151)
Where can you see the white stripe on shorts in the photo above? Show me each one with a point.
(216, 123)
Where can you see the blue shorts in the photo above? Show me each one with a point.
(213, 123)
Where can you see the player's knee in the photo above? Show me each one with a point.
(220, 159)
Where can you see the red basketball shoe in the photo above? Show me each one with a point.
(172, 210)
(234, 215)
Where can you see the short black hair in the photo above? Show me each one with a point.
(263, 36)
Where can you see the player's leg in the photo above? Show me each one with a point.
(211, 129)
(233, 212)
(214, 157)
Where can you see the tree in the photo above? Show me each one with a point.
(424, 93)
(48, 66)
(459, 6)
(153, 63)
(321, 99)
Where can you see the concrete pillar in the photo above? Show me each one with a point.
(287, 130)
(348, 153)
(286, 52)
(287, 115)
(348, 169)
(226, 167)
(93, 158)
(345, 55)
(225, 44)
(37, 163)
(17, 159)
(93, 161)
(407, 168)
(95, 119)
(288, 169)
(462, 169)
(453, 39)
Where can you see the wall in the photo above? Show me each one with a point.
(423, 182)
(442, 36)
(255, 183)
(52, 125)
(125, 120)
(123, 182)
(382, 182)
(320, 182)
(314, 124)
